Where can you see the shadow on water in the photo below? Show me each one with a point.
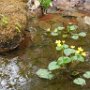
(18, 67)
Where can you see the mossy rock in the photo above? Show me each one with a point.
(13, 21)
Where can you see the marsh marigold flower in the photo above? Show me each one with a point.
(72, 47)
(63, 41)
(77, 51)
(83, 53)
(58, 42)
(59, 45)
(80, 49)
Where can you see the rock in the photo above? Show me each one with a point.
(87, 20)
(13, 20)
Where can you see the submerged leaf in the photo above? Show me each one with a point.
(63, 60)
(68, 51)
(72, 27)
(79, 81)
(44, 73)
(60, 28)
(53, 66)
(75, 37)
(87, 75)
(82, 34)
(54, 33)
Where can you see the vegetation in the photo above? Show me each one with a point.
(70, 31)
(68, 56)
(45, 3)
(18, 27)
(3, 21)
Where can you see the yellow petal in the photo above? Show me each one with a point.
(83, 53)
(48, 29)
(72, 47)
(77, 52)
(63, 41)
(80, 49)
(59, 45)
(58, 42)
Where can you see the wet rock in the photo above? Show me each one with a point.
(87, 20)
(13, 20)
(10, 74)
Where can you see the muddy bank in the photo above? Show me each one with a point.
(13, 21)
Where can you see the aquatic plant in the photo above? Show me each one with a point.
(68, 56)
(81, 81)
(69, 31)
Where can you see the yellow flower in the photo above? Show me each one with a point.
(83, 53)
(48, 29)
(77, 52)
(80, 49)
(59, 45)
(58, 42)
(63, 41)
(72, 47)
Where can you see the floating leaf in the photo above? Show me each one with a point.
(82, 34)
(54, 33)
(59, 48)
(75, 37)
(69, 51)
(53, 66)
(87, 75)
(79, 81)
(44, 73)
(78, 57)
(65, 46)
(63, 60)
(55, 30)
(72, 27)
(60, 28)
(65, 35)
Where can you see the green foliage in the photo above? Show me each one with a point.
(3, 21)
(69, 31)
(75, 37)
(45, 3)
(71, 27)
(53, 65)
(87, 75)
(82, 34)
(44, 73)
(79, 81)
(63, 60)
(18, 27)
(68, 55)
(69, 51)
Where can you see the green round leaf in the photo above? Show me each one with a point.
(87, 75)
(79, 81)
(44, 73)
(59, 48)
(82, 34)
(63, 60)
(75, 37)
(78, 57)
(60, 28)
(53, 66)
(68, 51)
(54, 33)
(72, 27)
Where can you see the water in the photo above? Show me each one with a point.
(18, 67)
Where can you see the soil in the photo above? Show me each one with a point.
(15, 12)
